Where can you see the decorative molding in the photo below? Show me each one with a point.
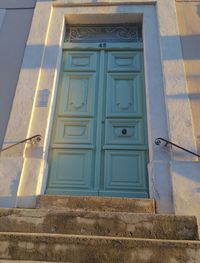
(103, 33)
(71, 3)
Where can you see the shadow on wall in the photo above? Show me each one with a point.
(193, 41)
(198, 9)
(190, 43)
(195, 96)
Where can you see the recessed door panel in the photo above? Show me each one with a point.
(124, 95)
(124, 61)
(74, 130)
(71, 168)
(125, 131)
(124, 170)
(78, 94)
(80, 61)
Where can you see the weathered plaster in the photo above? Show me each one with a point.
(9, 177)
(20, 116)
(28, 184)
(186, 187)
(2, 16)
(16, 25)
(17, 4)
(14, 30)
(176, 94)
(190, 39)
(29, 75)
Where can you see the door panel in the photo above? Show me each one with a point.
(124, 95)
(74, 130)
(78, 94)
(124, 170)
(124, 61)
(66, 174)
(79, 61)
(125, 131)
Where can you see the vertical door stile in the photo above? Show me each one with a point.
(100, 120)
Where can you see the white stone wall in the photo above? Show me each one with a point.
(168, 109)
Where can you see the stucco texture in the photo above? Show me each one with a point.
(13, 35)
(189, 20)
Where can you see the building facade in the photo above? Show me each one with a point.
(100, 81)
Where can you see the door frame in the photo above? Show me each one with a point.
(160, 41)
(110, 46)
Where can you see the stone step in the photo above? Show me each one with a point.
(29, 261)
(73, 248)
(96, 203)
(124, 224)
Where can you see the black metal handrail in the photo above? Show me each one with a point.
(158, 142)
(36, 138)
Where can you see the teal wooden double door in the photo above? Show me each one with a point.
(99, 140)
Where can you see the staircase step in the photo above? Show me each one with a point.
(124, 224)
(72, 248)
(23, 261)
(96, 203)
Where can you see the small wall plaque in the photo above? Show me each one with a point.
(42, 98)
